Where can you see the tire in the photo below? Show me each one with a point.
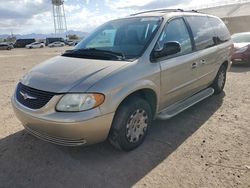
(133, 116)
(220, 80)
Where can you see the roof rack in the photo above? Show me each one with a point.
(164, 11)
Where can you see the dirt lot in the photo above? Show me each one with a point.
(208, 145)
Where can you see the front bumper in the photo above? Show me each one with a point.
(68, 129)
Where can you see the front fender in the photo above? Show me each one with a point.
(115, 97)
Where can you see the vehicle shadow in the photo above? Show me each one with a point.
(240, 68)
(28, 162)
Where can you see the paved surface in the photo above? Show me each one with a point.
(208, 145)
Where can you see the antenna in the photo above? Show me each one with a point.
(59, 17)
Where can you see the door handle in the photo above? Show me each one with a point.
(203, 61)
(194, 65)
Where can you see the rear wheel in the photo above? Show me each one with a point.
(220, 80)
(131, 123)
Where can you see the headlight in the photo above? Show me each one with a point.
(243, 49)
(79, 102)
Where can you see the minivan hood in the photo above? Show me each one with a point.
(63, 74)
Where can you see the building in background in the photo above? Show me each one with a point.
(235, 14)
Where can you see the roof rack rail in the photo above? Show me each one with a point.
(164, 10)
(157, 10)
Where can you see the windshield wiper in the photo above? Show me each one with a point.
(116, 54)
(94, 53)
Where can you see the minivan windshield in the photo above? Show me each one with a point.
(241, 38)
(118, 40)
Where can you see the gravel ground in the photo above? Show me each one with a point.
(208, 145)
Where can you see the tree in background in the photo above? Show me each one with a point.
(10, 39)
(73, 37)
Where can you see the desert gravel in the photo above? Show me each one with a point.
(208, 145)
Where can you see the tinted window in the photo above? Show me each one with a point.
(202, 31)
(177, 31)
(220, 29)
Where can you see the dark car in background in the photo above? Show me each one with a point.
(55, 39)
(5, 46)
(241, 48)
(21, 43)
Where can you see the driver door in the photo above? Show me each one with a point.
(178, 71)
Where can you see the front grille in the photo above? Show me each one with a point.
(32, 98)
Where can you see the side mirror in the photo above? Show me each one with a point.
(169, 48)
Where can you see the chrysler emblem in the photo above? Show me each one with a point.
(26, 96)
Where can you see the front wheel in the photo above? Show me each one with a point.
(131, 123)
(220, 80)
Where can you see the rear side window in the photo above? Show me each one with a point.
(221, 32)
(202, 31)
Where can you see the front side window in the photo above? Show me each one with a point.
(176, 31)
(202, 31)
(128, 37)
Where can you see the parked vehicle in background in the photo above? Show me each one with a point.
(35, 45)
(70, 42)
(56, 44)
(76, 42)
(122, 76)
(5, 46)
(51, 40)
(21, 43)
(10, 43)
(241, 48)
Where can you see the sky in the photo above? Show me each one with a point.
(35, 16)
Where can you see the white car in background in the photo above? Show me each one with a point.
(56, 44)
(35, 45)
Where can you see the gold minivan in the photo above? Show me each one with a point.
(127, 72)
